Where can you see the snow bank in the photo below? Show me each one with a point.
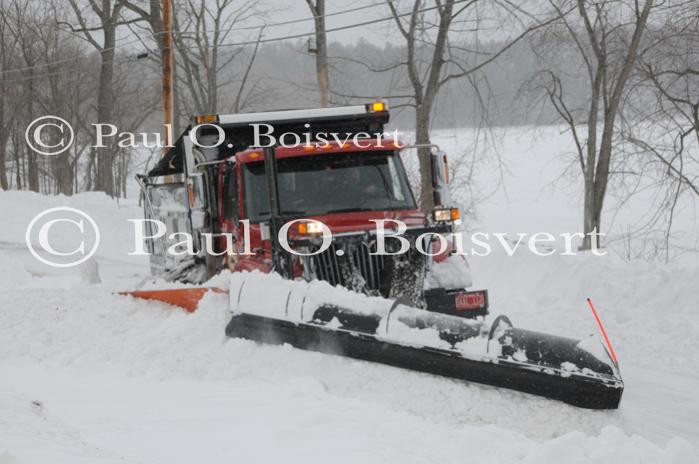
(133, 381)
(649, 310)
(13, 274)
(19, 208)
(143, 382)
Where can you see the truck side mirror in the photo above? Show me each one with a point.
(440, 178)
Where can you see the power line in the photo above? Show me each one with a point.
(293, 21)
(138, 39)
(336, 29)
(64, 60)
(241, 44)
(57, 73)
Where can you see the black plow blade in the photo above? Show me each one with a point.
(591, 384)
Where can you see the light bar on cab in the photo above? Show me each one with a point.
(376, 107)
(272, 117)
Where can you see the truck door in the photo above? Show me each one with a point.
(165, 201)
(181, 202)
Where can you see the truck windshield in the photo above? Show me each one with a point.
(330, 183)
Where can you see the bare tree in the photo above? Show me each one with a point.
(244, 96)
(6, 53)
(60, 83)
(320, 49)
(108, 12)
(44, 71)
(665, 128)
(153, 16)
(201, 30)
(432, 60)
(139, 98)
(23, 27)
(608, 48)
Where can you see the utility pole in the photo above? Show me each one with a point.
(168, 82)
(320, 48)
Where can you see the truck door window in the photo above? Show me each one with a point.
(230, 193)
(396, 189)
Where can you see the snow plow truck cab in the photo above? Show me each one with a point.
(346, 184)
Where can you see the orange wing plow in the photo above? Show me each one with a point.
(186, 298)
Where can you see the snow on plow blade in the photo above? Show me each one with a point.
(315, 316)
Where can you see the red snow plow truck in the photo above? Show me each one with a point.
(343, 260)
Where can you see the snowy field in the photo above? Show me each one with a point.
(529, 182)
(91, 377)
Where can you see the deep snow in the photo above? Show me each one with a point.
(120, 379)
(88, 376)
(530, 182)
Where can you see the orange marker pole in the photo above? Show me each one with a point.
(604, 332)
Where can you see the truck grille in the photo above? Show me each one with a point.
(355, 260)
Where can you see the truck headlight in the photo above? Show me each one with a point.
(446, 214)
(310, 227)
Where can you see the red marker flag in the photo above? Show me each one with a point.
(604, 332)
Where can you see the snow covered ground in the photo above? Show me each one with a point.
(89, 376)
(530, 182)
